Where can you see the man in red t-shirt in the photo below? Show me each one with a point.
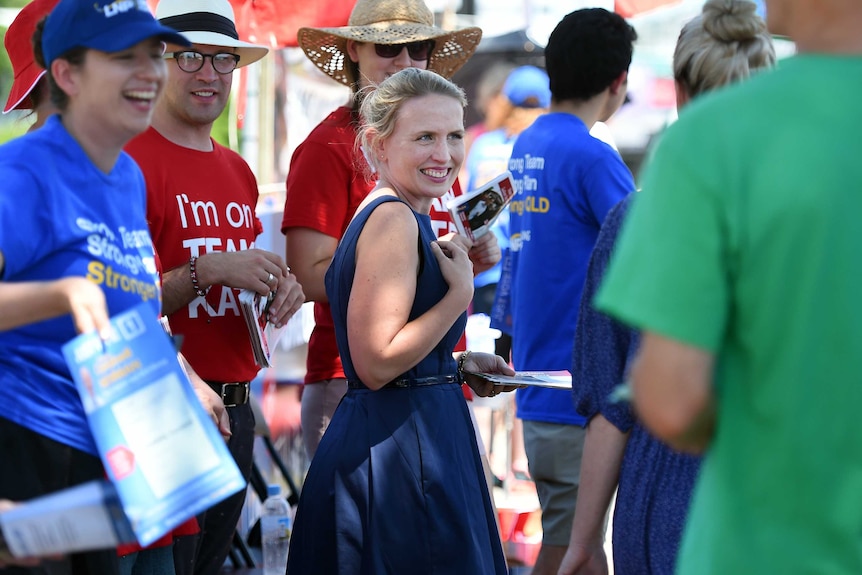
(201, 201)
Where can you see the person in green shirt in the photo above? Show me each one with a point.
(740, 265)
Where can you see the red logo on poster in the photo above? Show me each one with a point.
(121, 461)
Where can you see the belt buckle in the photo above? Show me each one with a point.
(229, 392)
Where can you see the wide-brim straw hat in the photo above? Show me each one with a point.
(388, 22)
(209, 22)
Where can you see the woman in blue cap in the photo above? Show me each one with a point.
(73, 240)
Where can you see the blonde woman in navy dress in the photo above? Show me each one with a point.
(396, 485)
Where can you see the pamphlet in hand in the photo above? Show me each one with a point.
(81, 518)
(161, 450)
(475, 212)
(557, 379)
(263, 335)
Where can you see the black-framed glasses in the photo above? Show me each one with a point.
(416, 50)
(191, 61)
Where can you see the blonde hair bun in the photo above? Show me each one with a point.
(722, 45)
(731, 20)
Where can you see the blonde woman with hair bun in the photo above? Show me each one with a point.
(726, 43)
(740, 265)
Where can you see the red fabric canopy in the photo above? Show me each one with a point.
(275, 22)
(629, 8)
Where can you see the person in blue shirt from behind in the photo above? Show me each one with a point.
(525, 95)
(566, 181)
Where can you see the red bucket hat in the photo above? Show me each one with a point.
(19, 46)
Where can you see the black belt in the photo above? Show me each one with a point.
(232, 394)
(408, 382)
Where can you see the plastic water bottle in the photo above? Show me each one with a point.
(275, 532)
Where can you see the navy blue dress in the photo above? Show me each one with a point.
(396, 485)
(655, 482)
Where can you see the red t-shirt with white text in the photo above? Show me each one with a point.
(197, 203)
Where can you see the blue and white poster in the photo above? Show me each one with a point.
(160, 448)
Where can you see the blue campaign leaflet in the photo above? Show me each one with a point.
(160, 449)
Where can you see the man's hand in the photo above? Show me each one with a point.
(289, 297)
(257, 270)
(213, 404)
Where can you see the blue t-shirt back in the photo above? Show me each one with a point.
(566, 181)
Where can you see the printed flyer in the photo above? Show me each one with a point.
(561, 379)
(263, 335)
(475, 212)
(160, 449)
(81, 518)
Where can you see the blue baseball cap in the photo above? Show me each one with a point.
(528, 87)
(101, 25)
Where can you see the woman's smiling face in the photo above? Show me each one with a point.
(422, 156)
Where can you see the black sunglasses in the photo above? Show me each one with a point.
(416, 50)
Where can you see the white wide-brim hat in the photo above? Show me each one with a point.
(208, 22)
(388, 22)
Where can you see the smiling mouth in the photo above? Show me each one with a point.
(204, 93)
(436, 172)
(141, 95)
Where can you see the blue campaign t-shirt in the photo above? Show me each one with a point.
(566, 181)
(60, 216)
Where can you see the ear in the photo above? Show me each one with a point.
(352, 52)
(619, 83)
(380, 151)
(66, 76)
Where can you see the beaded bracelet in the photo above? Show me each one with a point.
(194, 275)
(461, 360)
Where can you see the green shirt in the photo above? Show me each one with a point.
(747, 242)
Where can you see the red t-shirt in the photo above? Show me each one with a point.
(324, 188)
(197, 203)
(326, 183)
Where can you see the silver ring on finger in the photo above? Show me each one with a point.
(270, 278)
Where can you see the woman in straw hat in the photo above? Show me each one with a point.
(397, 485)
(326, 181)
